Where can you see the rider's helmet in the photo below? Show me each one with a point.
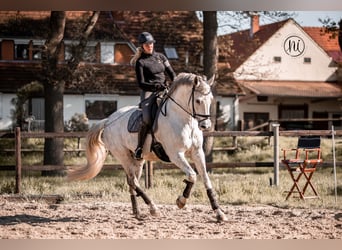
(146, 37)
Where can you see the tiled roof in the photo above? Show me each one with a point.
(327, 41)
(14, 75)
(35, 24)
(293, 89)
(181, 29)
(106, 79)
(235, 48)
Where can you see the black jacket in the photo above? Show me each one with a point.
(150, 69)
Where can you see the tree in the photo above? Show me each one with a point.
(335, 29)
(55, 77)
(340, 34)
(210, 57)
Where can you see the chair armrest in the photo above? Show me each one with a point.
(285, 150)
(309, 152)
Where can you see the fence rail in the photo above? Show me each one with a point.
(18, 135)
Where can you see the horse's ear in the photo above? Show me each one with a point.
(211, 80)
(197, 81)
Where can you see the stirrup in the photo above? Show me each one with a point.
(138, 154)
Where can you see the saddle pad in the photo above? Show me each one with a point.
(134, 121)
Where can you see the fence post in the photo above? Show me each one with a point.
(148, 174)
(276, 154)
(17, 160)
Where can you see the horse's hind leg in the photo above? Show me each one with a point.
(135, 191)
(147, 200)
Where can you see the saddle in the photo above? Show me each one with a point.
(134, 124)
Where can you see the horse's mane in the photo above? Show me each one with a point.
(188, 80)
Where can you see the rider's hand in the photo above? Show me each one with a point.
(159, 87)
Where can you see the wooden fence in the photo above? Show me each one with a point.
(150, 166)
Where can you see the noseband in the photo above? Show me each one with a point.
(194, 114)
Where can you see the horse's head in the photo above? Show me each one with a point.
(202, 99)
(194, 97)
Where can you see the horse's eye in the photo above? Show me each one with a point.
(198, 101)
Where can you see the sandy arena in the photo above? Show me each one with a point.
(97, 219)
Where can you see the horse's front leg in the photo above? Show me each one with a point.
(199, 160)
(181, 200)
(180, 161)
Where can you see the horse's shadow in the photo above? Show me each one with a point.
(31, 219)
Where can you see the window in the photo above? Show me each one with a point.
(89, 53)
(97, 110)
(21, 51)
(307, 60)
(289, 114)
(252, 120)
(37, 50)
(67, 52)
(107, 53)
(37, 108)
(171, 52)
(277, 59)
(262, 98)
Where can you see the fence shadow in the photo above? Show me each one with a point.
(32, 219)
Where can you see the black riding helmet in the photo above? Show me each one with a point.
(146, 37)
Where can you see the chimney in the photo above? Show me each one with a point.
(254, 24)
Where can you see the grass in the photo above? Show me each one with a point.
(233, 186)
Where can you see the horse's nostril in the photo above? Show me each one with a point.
(204, 126)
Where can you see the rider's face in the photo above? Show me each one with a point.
(148, 47)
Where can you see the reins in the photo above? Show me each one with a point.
(194, 114)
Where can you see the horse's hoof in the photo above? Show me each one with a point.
(181, 201)
(138, 216)
(154, 212)
(220, 216)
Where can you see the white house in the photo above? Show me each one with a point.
(287, 72)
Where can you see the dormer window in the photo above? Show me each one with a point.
(171, 52)
(28, 49)
(107, 52)
(21, 50)
(89, 53)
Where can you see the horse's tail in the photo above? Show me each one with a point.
(96, 154)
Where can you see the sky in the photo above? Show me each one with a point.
(303, 18)
(310, 18)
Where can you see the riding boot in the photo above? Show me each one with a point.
(141, 140)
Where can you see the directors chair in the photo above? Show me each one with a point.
(307, 156)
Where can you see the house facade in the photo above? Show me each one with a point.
(288, 73)
(111, 83)
(280, 71)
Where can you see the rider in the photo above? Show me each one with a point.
(150, 69)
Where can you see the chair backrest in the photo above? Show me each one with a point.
(309, 142)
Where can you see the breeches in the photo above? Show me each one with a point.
(149, 108)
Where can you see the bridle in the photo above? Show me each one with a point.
(194, 114)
